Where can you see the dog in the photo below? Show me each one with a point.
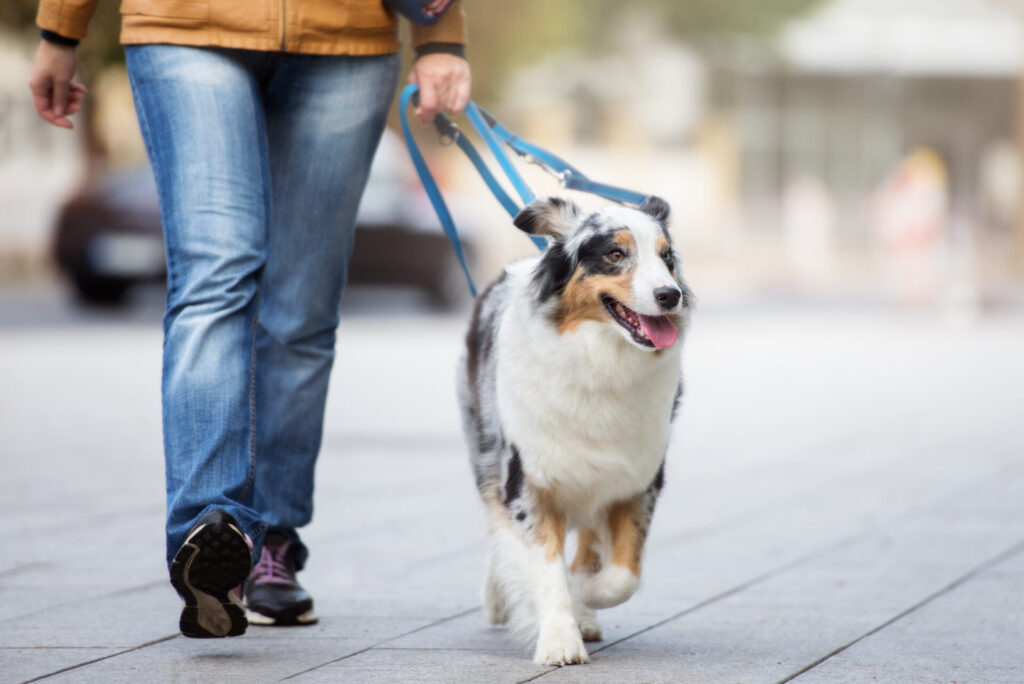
(568, 386)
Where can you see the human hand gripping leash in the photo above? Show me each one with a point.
(495, 135)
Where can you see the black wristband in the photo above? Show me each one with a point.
(57, 39)
(457, 49)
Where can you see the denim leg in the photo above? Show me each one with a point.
(325, 117)
(202, 119)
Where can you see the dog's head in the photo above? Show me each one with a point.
(614, 266)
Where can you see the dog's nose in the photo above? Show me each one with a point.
(667, 296)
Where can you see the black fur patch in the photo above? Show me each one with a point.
(514, 478)
(553, 272)
(679, 389)
(658, 209)
(659, 479)
(544, 216)
(593, 255)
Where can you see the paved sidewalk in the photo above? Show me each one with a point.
(844, 502)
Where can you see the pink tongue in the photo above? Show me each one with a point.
(660, 330)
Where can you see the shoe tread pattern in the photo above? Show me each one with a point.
(215, 561)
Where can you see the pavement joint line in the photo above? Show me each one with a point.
(441, 621)
(743, 586)
(91, 597)
(96, 660)
(969, 575)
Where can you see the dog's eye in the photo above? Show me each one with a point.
(616, 255)
(669, 260)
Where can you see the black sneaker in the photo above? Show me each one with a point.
(273, 596)
(208, 572)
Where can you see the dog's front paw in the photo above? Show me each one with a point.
(590, 628)
(562, 645)
(608, 588)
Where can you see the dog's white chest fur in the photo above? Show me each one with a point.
(590, 413)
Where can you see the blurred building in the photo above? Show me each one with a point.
(789, 151)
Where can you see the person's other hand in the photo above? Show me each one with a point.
(444, 82)
(54, 95)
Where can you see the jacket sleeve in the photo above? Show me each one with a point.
(69, 18)
(450, 29)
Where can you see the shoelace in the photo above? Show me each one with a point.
(271, 568)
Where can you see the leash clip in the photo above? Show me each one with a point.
(448, 132)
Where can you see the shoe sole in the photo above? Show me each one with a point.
(307, 618)
(206, 572)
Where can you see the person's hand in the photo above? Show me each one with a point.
(444, 82)
(54, 95)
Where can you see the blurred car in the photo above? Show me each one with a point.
(109, 239)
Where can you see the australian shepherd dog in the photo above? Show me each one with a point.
(568, 388)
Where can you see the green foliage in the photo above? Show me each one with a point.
(505, 34)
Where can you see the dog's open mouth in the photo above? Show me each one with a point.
(650, 331)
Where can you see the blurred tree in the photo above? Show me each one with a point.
(504, 35)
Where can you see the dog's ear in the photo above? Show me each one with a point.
(656, 208)
(547, 217)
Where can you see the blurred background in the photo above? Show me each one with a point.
(854, 151)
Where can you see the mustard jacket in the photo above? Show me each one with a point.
(322, 27)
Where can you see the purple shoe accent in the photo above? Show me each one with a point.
(273, 595)
(272, 568)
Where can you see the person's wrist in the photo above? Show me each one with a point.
(454, 49)
(54, 38)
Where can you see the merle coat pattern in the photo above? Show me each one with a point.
(570, 381)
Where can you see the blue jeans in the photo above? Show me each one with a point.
(260, 161)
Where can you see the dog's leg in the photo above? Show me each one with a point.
(623, 536)
(586, 562)
(495, 603)
(559, 641)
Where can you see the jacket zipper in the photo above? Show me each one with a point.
(284, 20)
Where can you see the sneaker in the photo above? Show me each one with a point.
(208, 571)
(273, 595)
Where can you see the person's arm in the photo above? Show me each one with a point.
(441, 69)
(63, 23)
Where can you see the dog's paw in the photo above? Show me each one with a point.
(495, 604)
(590, 629)
(608, 588)
(586, 618)
(560, 646)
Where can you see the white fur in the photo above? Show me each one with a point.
(589, 412)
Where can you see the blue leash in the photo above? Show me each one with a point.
(496, 135)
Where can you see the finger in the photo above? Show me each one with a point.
(52, 118)
(428, 102)
(461, 98)
(60, 97)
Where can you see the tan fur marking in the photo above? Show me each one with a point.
(586, 557)
(662, 244)
(581, 300)
(625, 240)
(550, 527)
(627, 542)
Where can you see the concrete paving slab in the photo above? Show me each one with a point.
(973, 633)
(810, 447)
(423, 666)
(262, 654)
